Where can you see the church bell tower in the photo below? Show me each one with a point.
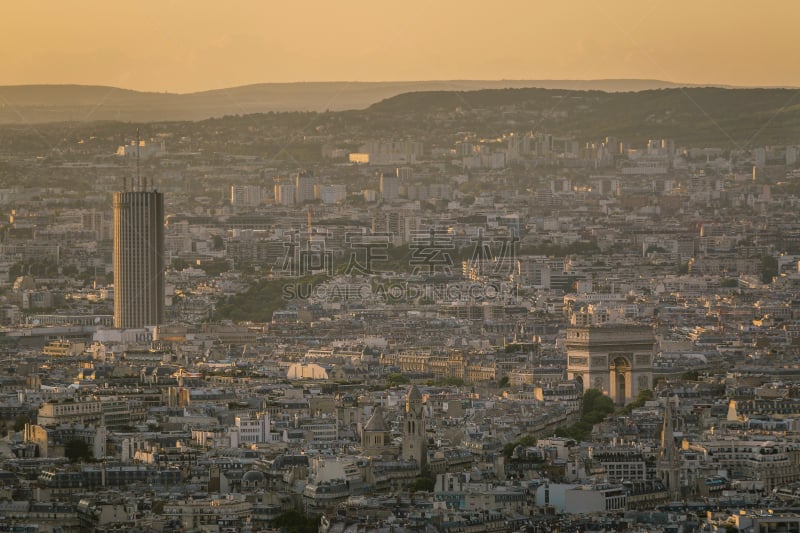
(414, 440)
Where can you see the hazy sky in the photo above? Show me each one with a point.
(184, 46)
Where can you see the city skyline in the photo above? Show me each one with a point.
(168, 47)
(510, 310)
(564, 300)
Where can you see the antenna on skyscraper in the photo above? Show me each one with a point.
(138, 148)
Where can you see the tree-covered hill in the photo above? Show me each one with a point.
(706, 115)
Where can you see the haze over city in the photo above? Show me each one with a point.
(410, 267)
(191, 46)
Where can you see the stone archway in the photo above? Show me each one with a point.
(615, 359)
(620, 380)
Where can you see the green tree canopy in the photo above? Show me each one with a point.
(769, 268)
(524, 441)
(77, 450)
(393, 380)
(596, 406)
(20, 421)
(422, 483)
(645, 395)
(296, 522)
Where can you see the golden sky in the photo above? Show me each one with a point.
(184, 46)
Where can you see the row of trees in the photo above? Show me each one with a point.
(263, 298)
(596, 406)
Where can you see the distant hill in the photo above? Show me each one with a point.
(58, 103)
(730, 117)
(693, 116)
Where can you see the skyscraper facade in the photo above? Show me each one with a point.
(138, 259)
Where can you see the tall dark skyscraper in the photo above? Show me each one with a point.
(138, 259)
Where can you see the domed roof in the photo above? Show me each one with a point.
(254, 476)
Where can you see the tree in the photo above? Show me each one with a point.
(451, 382)
(645, 395)
(70, 271)
(179, 264)
(393, 380)
(769, 268)
(296, 522)
(525, 441)
(422, 483)
(596, 406)
(77, 450)
(264, 297)
(654, 248)
(20, 421)
(691, 375)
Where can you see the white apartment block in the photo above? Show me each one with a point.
(253, 430)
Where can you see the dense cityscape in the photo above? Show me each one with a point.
(313, 322)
